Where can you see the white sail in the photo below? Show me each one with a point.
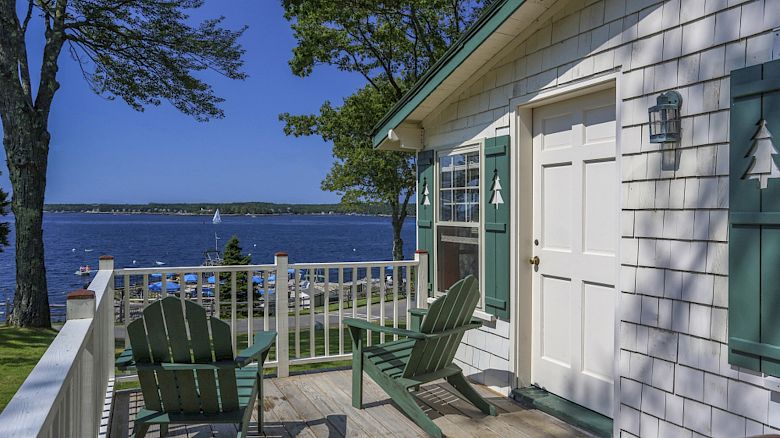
(217, 219)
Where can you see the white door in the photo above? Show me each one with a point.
(575, 236)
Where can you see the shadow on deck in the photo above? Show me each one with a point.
(319, 405)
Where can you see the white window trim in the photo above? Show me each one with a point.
(475, 145)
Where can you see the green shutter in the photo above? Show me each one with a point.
(425, 180)
(496, 166)
(754, 224)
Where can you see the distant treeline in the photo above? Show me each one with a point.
(240, 208)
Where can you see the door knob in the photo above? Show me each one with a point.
(534, 260)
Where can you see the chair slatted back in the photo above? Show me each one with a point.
(453, 310)
(161, 336)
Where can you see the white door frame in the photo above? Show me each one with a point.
(521, 129)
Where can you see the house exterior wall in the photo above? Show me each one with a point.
(673, 375)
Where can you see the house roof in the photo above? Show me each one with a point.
(494, 29)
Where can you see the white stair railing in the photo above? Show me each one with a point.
(68, 392)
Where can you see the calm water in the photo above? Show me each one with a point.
(73, 240)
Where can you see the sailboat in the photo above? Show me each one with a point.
(217, 219)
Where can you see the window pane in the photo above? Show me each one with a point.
(460, 212)
(446, 179)
(457, 255)
(459, 178)
(457, 172)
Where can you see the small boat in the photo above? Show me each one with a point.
(159, 263)
(84, 270)
(88, 250)
(217, 219)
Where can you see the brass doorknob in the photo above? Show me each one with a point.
(534, 260)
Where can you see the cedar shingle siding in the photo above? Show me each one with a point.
(675, 379)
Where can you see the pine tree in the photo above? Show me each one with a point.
(496, 199)
(763, 165)
(233, 255)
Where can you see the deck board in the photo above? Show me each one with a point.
(319, 405)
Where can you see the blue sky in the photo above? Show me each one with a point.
(103, 151)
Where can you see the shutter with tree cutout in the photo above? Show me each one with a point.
(495, 195)
(754, 219)
(425, 201)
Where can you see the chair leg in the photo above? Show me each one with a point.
(139, 430)
(260, 400)
(357, 378)
(405, 400)
(163, 430)
(459, 382)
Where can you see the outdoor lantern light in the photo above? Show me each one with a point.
(665, 118)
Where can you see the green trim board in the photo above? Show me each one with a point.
(490, 20)
(565, 410)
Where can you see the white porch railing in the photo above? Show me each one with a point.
(67, 392)
(314, 298)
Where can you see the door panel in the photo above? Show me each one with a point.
(576, 226)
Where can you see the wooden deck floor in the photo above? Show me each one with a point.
(318, 405)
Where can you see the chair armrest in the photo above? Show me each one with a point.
(125, 360)
(168, 366)
(455, 330)
(417, 316)
(259, 349)
(360, 324)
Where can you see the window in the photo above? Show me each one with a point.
(457, 236)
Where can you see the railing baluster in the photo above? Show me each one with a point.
(164, 288)
(369, 288)
(326, 310)
(216, 294)
(266, 300)
(182, 288)
(250, 292)
(199, 286)
(408, 295)
(145, 292)
(126, 305)
(297, 320)
(382, 293)
(312, 307)
(233, 290)
(341, 311)
(354, 291)
(395, 300)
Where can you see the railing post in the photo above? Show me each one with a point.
(282, 320)
(421, 257)
(80, 304)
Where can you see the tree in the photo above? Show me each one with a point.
(4, 228)
(232, 254)
(390, 44)
(762, 152)
(141, 51)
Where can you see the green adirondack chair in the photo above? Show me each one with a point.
(192, 379)
(425, 355)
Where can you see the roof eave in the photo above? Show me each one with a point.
(498, 12)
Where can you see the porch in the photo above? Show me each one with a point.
(319, 405)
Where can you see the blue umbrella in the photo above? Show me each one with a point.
(256, 279)
(190, 278)
(208, 292)
(158, 276)
(211, 279)
(171, 286)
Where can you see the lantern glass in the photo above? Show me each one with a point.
(665, 118)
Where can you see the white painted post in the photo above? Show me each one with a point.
(282, 322)
(421, 257)
(80, 304)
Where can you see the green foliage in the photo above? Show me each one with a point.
(390, 44)
(232, 254)
(143, 51)
(234, 208)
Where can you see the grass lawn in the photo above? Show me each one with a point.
(20, 350)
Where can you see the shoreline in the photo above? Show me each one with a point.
(205, 214)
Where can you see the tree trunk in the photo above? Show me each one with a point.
(398, 242)
(26, 142)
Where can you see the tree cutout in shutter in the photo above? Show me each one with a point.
(426, 200)
(763, 166)
(496, 199)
